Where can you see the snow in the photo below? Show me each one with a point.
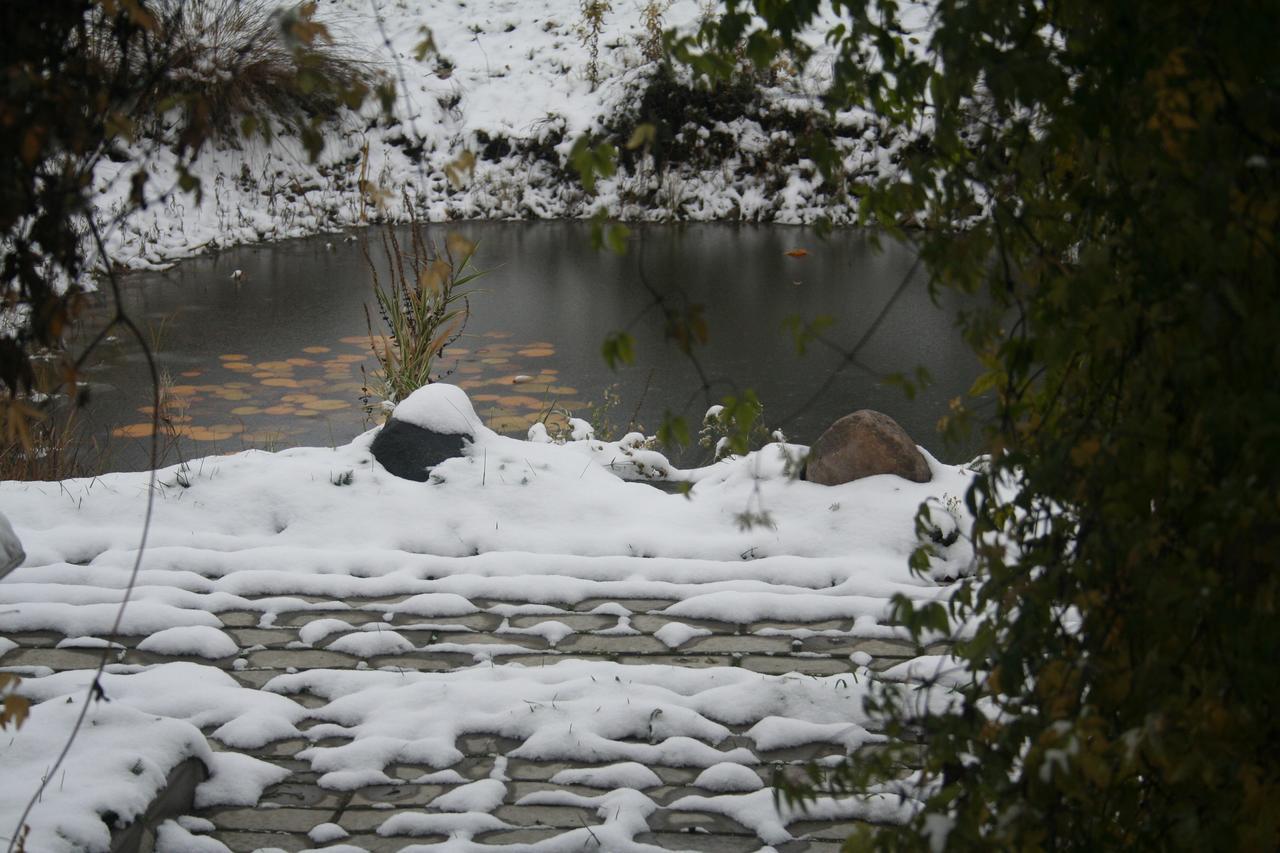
(325, 832)
(517, 77)
(122, 758)
(440, 407)
(676, 634)
(200, 640)
(396, 570)
(627, 774)
(728, 777)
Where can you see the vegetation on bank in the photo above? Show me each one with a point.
(1106, 175)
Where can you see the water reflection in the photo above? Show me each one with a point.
(278, 355)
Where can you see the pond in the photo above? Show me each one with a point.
(277, 354)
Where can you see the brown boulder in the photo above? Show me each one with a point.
(864, 444)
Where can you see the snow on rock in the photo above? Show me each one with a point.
(728, 777)
(676, 634)
(441, 407)
(199, 640)
(6, 646)
(626, 774)
(118, 764)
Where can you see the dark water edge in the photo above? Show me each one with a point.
(272, 358)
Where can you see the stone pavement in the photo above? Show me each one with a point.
(288, 810)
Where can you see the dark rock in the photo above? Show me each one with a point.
(176, 798)
(864, 444)
(411, 452)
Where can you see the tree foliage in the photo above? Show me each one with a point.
(82, 80)
(1106, 174)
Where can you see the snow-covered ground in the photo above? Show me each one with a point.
(510, 85)
(364, 627)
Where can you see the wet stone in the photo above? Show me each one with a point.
(783, 664)
(240, 618)
(678, 660)
(691, 822)
(58, 660)
(633, 644)
(563, 817)
(295, 795)
(701, 842)
(746, 644)
(287, 819)
(282, 659)
(651, 623)
(257, 840)
(295, 618)
(825, 830)
(400, 795)
(269, 637)
(635, 605)
(580, 622)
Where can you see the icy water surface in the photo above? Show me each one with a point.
(273, 357)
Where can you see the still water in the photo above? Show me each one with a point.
(273, 356)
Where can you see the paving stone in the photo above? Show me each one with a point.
(272, 638)
(550, 658)
(403, 795)
(239, 841)
(446, 624)
(651, 623)
(362, 819)
(285, 819)
(485, 745)
(240, 618)
(58, 660)
(281, 659)
(635, 605)
(563, 817)
(678, 660)
(294, 618)
(378, 844)
(820, 625)
(295, 795)
(782, 664)
(666, 820)
(516, 790)
(729, 644)
(520, 835)
(423, 661)
(36, 639)
(634, 644)
(701, 842)
(580, 622)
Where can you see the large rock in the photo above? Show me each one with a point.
(429, 426)
(864, 444)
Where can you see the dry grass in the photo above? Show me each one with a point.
(229, 65)
(422, 309)
(46, 443)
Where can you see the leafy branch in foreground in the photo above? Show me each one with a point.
(423, 307)
(1106, 175)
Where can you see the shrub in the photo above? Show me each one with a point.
(423, 307)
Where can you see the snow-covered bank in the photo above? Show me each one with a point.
(510, 86)
(483, 602)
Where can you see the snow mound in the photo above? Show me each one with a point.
(442, 408)
(199, 640)
(728, 777)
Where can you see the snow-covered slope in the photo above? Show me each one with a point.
(509, 84)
